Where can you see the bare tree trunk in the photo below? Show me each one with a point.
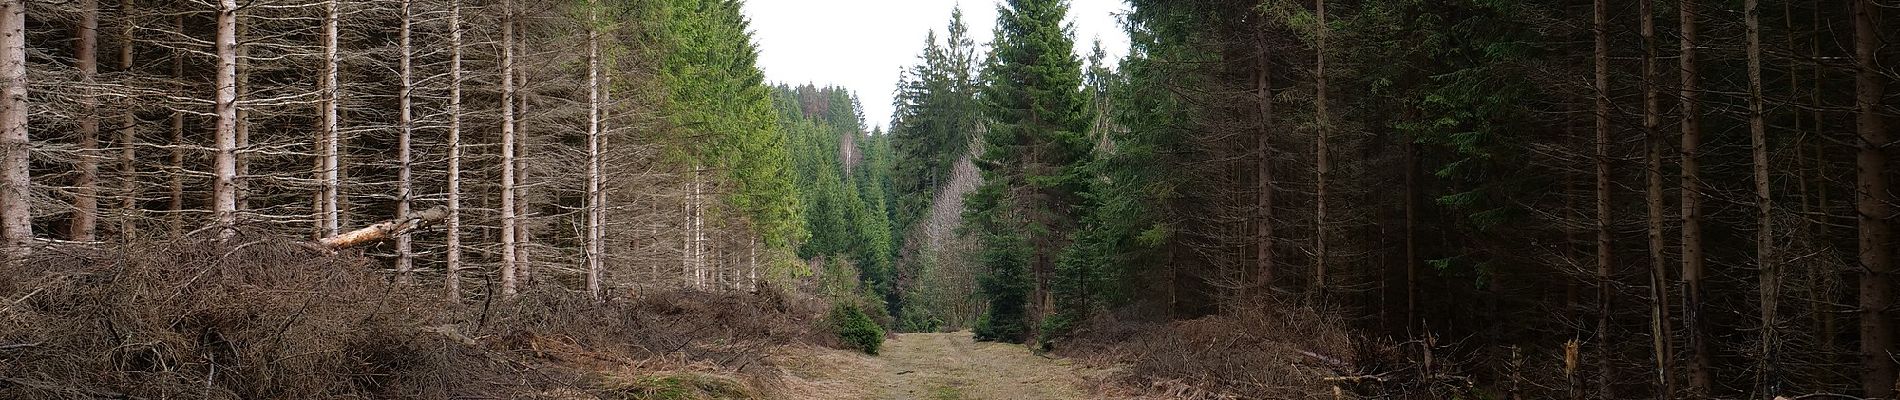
(1411, 235)
(128, 136)
(176, 214)
(1659, 329)
(1767, 268)
(85, 219)
(1323, 167)
(1263, 220)
(594, 206)
(1701, 377)
(330, 159)
(224, 189)
(406, 128)
(1604, 255)
(452, 266)
(16, 219)
(508, 222)
(1875, 204)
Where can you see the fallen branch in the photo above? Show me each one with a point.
(382, 230)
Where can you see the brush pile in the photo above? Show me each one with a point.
(258, 317)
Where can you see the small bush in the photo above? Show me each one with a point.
(856, 329)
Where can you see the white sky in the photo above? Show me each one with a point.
(863, 44)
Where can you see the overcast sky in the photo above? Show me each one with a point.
(863, 44)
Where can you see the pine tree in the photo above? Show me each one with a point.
(1034, 163)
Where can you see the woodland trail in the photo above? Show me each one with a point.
(945, 366)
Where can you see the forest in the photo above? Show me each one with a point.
(1274, 199)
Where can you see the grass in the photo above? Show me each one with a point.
(683, 386)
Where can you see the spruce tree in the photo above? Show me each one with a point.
(1033, 162)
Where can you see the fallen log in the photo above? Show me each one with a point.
(382, 230)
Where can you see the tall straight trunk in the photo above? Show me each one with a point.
(699, 233)
(16, 219)
(593, 150)
(405, 121)
(1701, 377)
(452, 265)
(508, 223)
(1875, 204)
(1263, 181)
(331, 158)
(85, 219)
(1659, 329)
(1766, 267)
(1604, 255)
(224, 187)
(1411, 235)
(176, 210)
(1323, 168)
(128, 135)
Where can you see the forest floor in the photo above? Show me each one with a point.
(939, 366)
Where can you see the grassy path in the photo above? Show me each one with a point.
(943, 366)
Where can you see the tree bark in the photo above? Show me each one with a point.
(1323, 167)
(224, 188)
(1766, 267)
(1263, 185)
(594, 206)
(1604, 255)
(405, 121)
(452, 265)
(330, 159)
(176, 210)
(508, 222)
(1874, 202)
(16, 219)
(1659, 329)
(85, 221)
(1701, 377)
(128, 135)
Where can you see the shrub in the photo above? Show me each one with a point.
(856, 329)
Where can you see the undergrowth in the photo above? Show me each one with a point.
(256, 317)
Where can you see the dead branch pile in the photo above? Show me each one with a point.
(1264, 353)
(257, 317)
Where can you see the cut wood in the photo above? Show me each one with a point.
(384, 230)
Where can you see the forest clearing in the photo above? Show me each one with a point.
(935, 199)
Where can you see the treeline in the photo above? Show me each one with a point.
(1606, 199)
(842, 173)
(611, 145)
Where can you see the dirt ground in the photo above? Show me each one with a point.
(936, 366)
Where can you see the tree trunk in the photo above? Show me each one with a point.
(405, 121)
(508, 222)
(1659, 329)
(1323, 167)
(224, 189)
(1604, 255)
(452, 265)
(128, 136)
(1701, 378)
(327, 168)
(1263, 185)
(176, 211)
(85, 219)
(1766, 267)
(594, 206)
(16, 218)
(1875, 204)
(385, 230)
